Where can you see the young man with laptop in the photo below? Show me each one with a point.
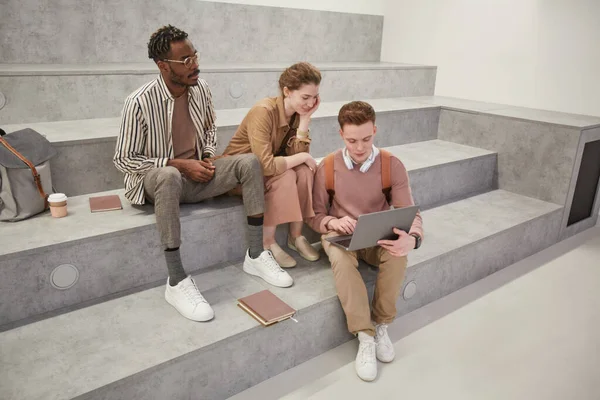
(351, 183)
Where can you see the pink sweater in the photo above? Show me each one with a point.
(359, 193)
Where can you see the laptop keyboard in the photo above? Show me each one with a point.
(344, 243)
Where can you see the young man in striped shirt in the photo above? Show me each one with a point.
(166, 149)
(359, 165)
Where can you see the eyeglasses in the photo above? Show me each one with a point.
(188, 62)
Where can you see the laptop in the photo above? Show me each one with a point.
(371, 228)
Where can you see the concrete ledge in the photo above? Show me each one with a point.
(98, 92)
(101, 245)
(233, 352)
(95, 130)
(86, 147)
(545, 117)
(149, 68)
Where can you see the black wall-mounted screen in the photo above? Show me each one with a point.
(587, 184)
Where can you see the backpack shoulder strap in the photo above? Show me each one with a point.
(329, 176)
(386, 173)
(36, 177)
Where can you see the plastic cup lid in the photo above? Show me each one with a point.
(57, 197)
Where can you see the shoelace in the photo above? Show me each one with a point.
(191, 291)
(381, 330)
(364, 349)
(272, 263)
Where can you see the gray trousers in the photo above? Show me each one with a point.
(166, 188)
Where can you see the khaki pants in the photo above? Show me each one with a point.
(351, 288)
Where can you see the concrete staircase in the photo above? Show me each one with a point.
(98, 90)
(119, 251)
(495, 182)
(86, 147)
(116, 316)
(138, 347)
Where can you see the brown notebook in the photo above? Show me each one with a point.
(266, 308)
(105, 203)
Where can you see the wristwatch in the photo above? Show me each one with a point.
(417, 240)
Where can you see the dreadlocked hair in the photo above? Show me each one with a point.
(160, 41)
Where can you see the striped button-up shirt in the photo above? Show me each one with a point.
(145, 138)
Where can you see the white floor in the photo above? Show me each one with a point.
(531, 332)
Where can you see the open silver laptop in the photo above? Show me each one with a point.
(371, 228)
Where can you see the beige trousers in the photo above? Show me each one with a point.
(351, 288)
(288, 197)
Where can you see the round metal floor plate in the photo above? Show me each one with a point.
(64, 276)
(410, 290)
(236, 90)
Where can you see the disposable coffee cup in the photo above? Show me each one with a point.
(58, 205)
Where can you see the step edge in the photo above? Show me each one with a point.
(257, 327)
(34, 70)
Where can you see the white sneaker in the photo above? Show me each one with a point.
(187, 299)
(385, 347)
(265, 267)
(366, 362)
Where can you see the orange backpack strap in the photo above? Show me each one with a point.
(329, 176)
(386, 173)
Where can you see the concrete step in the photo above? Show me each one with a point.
(119, 251)
(545, 117)
(525, 138)
(137, 346)
(57, 92)
(91, 32)
(86, 147)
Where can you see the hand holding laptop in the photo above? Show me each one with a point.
(401, 246)
(344, 225)
(372, 229)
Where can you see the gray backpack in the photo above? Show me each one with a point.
(24, 174)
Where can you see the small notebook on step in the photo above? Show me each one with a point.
(105, 203)
(266, 308)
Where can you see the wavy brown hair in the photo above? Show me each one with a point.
(299, 74)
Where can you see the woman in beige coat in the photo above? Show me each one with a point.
(277, 131)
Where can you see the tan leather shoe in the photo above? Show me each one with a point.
(303, 248)
(283, 259)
